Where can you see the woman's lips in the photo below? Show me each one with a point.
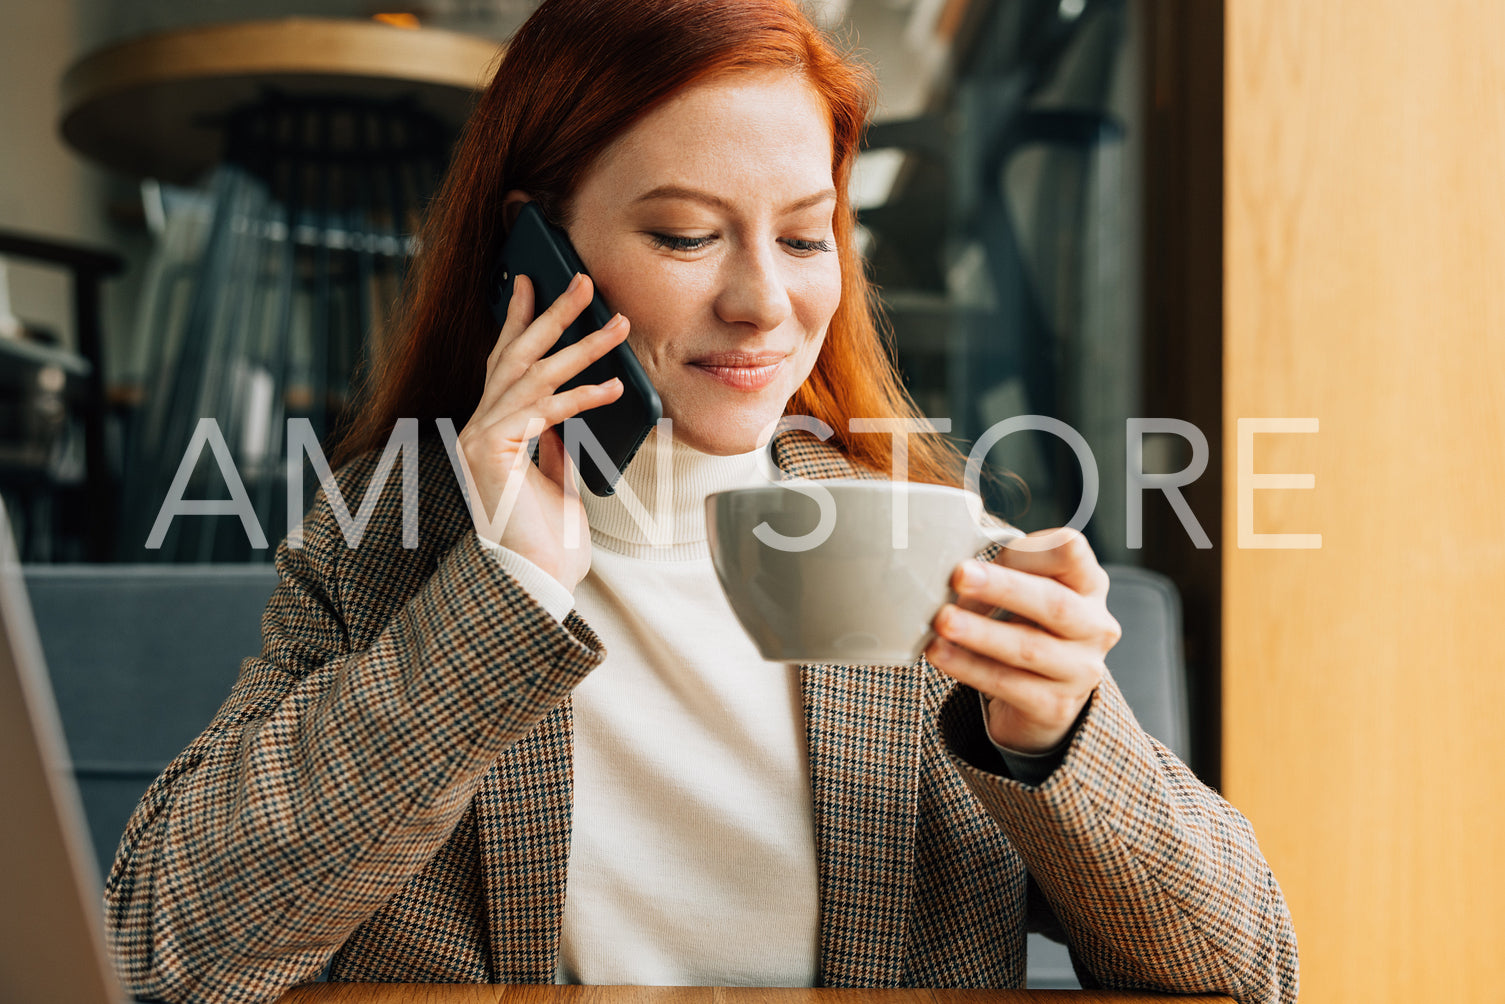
(741, 371)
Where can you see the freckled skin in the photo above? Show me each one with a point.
(751, 278)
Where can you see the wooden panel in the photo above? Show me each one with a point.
(1365, 257)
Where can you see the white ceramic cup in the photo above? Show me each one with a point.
(843, 571)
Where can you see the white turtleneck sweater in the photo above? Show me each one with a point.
(692, 853)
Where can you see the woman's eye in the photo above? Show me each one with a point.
(673, 242)
(809, 247)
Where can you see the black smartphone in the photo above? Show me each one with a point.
(542, 252)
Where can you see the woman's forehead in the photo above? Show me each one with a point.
(750, 131)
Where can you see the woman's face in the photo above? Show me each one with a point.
(709, 225)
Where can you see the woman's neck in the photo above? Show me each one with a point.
(658, 509)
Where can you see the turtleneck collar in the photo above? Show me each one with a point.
(674, 504)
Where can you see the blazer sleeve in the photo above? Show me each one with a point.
(1158, 883)
(333, 772)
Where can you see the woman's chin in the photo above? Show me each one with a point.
(722, 438)
(712, 424)
(718, 444)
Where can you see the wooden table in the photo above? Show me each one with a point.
(155, 106)
(445, 993)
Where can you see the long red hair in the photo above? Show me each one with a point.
(574, 77)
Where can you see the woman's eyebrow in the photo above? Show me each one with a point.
(711, 199)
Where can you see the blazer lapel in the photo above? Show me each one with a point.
(862, 728)
(523, 820)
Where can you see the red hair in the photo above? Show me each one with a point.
(574, 77)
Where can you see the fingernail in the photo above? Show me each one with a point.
(617, 320)
(574, 284)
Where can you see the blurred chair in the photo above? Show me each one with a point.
(1147, 662)
(141, 657)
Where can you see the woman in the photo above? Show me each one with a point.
(498, 757)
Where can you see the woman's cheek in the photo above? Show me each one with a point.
(826, 296)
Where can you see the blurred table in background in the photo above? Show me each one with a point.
(155, 106)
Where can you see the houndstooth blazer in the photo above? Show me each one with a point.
(387, 790)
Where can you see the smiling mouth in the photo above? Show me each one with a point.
(742, 372)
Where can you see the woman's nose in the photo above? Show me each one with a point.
(753, 291)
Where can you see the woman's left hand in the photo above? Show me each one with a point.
(1036, 672)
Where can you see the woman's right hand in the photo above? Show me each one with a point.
(534, 509)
